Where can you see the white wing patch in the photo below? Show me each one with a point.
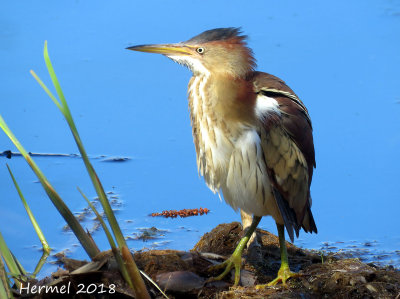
(266, 105)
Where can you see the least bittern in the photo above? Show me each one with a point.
(252, 134)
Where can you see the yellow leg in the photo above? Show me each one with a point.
(235, 259)
(284, 272)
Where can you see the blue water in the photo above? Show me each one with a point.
(342, 59)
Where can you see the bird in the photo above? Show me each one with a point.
(252, 135)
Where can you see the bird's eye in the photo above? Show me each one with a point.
(200, 50)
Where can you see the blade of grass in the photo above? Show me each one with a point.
(140, 288)
(40, 264)
(10, 262)
(63, 106)
(45, 245)
(87, 243)
(100, 219)
(20, 268)
(117, 255)
(154, 283)
(5, 291)
(140, 291)
(111, 241)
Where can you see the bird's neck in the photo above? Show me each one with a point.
(220, 109)
(222, 97)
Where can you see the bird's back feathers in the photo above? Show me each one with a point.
(289, 153)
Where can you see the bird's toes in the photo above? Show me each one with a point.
(227, 265)
(283, 275)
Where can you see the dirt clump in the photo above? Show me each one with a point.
(184, 274)
(321, 276)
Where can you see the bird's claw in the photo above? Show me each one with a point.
(235, 261)
(283, 275)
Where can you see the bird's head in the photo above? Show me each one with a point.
(221, 51)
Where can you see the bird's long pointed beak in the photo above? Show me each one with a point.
(166, 49)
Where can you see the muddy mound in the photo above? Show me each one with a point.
(184, 274)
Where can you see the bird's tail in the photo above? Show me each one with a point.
(290, 219)
(308, 224)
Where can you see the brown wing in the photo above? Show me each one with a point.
(289, 153)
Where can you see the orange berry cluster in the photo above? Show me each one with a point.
(182, 213)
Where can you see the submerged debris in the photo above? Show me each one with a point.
(181, 213)
(147, 234)
(116, 159)
(83, 215)
(8, 154)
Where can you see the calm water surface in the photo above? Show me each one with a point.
(341, 58)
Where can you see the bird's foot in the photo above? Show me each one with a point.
(235, 261)
(284, 274)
